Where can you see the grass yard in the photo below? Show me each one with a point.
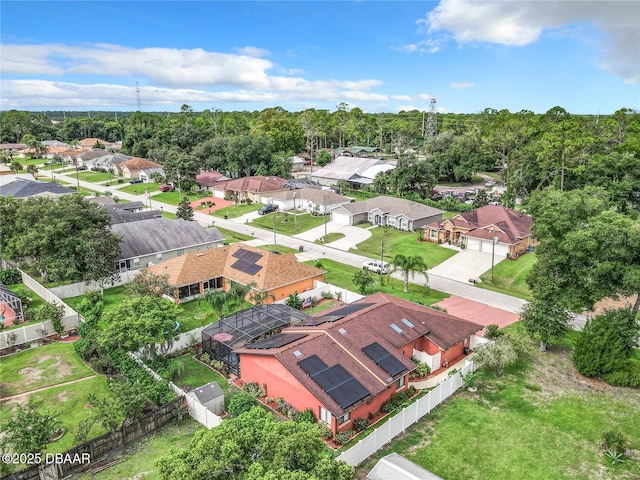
(235, 211)
(509, 276)
(280, 248)
(398, 242)
(342, 275)
(140, 188)
(174, 198)
(331, 237)
(40, 367)
(142, 455)
(288, 224)
(197, 374)
(538, 421)
(231, 237)
(94, 177)
(68, 403)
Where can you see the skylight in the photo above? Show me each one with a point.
(297, 353)
(342, 331)
(407, 323)
(396, 328)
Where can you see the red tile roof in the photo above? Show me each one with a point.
(210, 178)
(255, 184)
(137, 163)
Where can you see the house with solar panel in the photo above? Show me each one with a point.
(274, 276)
(343, 364)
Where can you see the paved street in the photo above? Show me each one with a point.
(312, 251)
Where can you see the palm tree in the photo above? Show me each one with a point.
(219, 301)
(258, 297)
(239, 292)
(409, 266)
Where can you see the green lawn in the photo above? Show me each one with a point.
(538, 421)
(69, 403)
(94, 176)
(280, 248)
(398, 242)
(40, 367)
(331, 237)
(142, 455)
(235, 211)
(509, 277)
(24, 292)
(231, 237)
(288, 224)
(174, 198)
(170, 215)
(197, 374)
(141, 188)
(342, 275)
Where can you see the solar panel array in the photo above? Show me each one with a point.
(384, 359)
(335, 381)
(342, 312)
(246, 262)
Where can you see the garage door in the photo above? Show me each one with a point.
(474, 244)
(501, 249)
(341, 218)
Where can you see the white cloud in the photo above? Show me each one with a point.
(253, 52)
(462, 86)
(519, 23)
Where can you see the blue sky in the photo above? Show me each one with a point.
(379, 56)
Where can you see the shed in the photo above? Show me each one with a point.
(210, 396)
(396, 467)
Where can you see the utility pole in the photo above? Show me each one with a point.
(382, 262)
(138, 96)
(493, 252)
(275, 245)
(432, 123)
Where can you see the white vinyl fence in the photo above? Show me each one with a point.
(197, 411)
(77, 289)
(405, 418)
(320, 288)
(35, 332)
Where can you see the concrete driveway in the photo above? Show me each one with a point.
(352, 235)
(466, 264)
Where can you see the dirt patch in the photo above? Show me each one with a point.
(31, 375)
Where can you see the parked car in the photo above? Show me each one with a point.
(267, 209)
(490, 183)
(78, 169)
(165, 188)
(471, 191)
(377, 266)
(135, 180)
(437, 196)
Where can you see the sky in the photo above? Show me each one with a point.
(379, 56)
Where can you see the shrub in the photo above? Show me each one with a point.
(627, 374)
(493, 332)
(254, 389)
(240, 403)
(422, 369)
(343, 437)
(615, 441)
(360, 424)
(324, 430)
(10, 276)
(305, 416)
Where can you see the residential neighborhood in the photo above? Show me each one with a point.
(278, 294)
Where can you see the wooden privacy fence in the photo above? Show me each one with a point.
(90, 454)
(404, 419)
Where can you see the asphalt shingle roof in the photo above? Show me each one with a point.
(393, 206)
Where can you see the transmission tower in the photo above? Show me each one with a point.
(432, 125)
(138, 95)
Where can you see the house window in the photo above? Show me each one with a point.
(325, 415)
(343, 419)
(400, 383)
(136, 262)
(391, 221)
(433, 234)
(158, 257)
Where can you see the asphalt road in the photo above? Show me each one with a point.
(314, 251)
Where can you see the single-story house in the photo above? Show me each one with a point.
(273, 276)
(147, 175)
(355, 151)
(210, 396)
(309, 199)
(72, 154)
(492, 229)
(395, 212)
(88, 159)
(147, 242)
(91, 143)
(346, 362)
(133, 167)
(21, 187)
(55, 143)
(396, 467)
(106, 162)
(12, 148)
(252, 188)
(355, 170)
(207, 180)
